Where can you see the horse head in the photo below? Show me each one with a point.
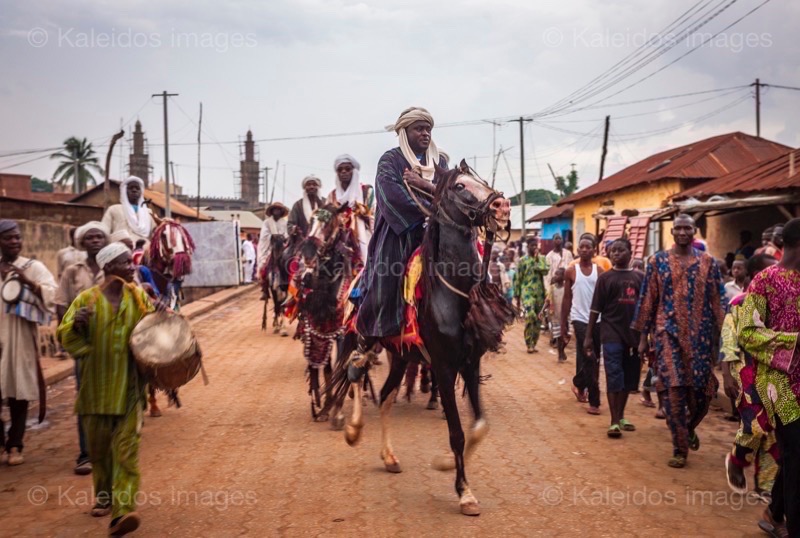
(465, 200)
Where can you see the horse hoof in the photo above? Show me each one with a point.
(276, 330)
(433, 405)
(352, 434)
(321, 418)
(444, 462)
(155, 412)
(393, 467)
(337, 424)
(284, 332)
(472, 508)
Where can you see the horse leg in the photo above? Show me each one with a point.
(469, 504)
(433, 401)
(388, 395)
(154, 410)
(352, 432)
(411, 378)
(276, 312)
(345, 346)
(425, 378)
(480, 427)
(326, 373)
(313, 389)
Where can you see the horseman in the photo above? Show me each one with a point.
(358, 197)
(131, 214)
(403, 173)
(275, 224)
(300, 216)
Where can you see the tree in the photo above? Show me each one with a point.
(80, 152)
(535, 197)
(40, 185)
(567, 185)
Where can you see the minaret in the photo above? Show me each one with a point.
(139, 163)
(250, 172)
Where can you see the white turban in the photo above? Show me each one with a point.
(407, 117)
(345, 158)
(311, 179)
(110, 253)
(119, 235)
(138, 221)
(351, 195)
(83, 230)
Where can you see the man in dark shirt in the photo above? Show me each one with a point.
(615, 298)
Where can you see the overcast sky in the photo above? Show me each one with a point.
(313, 67)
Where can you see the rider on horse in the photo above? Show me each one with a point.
(357, 197)
(402, 173)
(275, 224)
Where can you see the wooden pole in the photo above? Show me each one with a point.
(605, 149)
(199, 128)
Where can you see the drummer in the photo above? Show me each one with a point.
(96, 330)
(89, 238)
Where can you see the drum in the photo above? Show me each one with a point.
(165, 350)
(12, 291)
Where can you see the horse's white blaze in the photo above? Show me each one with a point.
(478, 189)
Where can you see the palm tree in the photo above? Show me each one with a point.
(77, 154)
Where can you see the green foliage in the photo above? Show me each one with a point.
(80, 152)
(40, 185)
(567, 185)
(536, 197)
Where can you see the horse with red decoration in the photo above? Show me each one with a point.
(330, 260)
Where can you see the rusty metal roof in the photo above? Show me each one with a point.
(703, 160)
(770, 175)
(553, 212)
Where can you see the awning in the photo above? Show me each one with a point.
(719, 205)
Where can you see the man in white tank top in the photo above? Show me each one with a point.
(579, 284)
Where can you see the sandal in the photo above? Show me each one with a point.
(614, 431)
(626, 425)
(593, 410)
(101, 509)
(677, 462)
(694, 442)
(646, 403)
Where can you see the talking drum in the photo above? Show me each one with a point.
(165, 350)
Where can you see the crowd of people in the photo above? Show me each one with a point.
(678, 313)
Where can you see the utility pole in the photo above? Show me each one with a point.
(758, 107)
(164, 95)
(274, 180)
(495, 155)
(522, 122)
(172, 172)
(266, 183)
(605, 149)
(199, 124)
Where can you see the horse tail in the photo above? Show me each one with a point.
(339, 384)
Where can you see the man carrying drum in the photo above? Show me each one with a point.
(96, 331)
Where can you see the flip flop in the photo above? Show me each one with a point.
(677, 462)
(694, 442)
(741, 490)
(646, 403)
(626, 425)
(614, 431)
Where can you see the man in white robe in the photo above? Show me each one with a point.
(131, 214)
(248, 259)
(21, 378)
(358, 197)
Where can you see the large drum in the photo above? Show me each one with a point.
(165, 350)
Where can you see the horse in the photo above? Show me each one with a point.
(461, 316)
(277, 274)
(330, 256)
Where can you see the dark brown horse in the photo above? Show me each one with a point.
(329, 254)
(277, 273)
(461, 316)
